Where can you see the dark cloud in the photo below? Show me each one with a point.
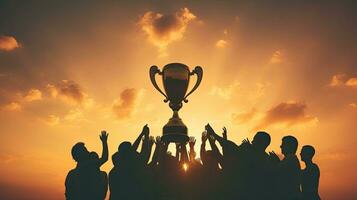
(69, 91)
(287, 113)
(14, 100)
(8, 43)
(244, 117)
(162, 29)
(124, 106)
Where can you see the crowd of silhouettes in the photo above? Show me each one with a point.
(239, 172)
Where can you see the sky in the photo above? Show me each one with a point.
(71, 69)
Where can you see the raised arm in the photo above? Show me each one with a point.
(137, 141)
(145, 151)
(178, 149)
(203, 148)
(150, 144)
(210, 132)
(104, 158)
(215, 150)
(224, 133)
(155, 157)
(192, 152)
(183, 152)
(227, 145)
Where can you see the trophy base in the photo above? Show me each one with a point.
(176, 134)
(175, 130)
(176, 138)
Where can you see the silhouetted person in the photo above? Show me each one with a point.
(288, 170)
(258, 168)
(127, 178)
(97, 177)
(211, 173)
(310, 175)
(230, 162)
(74, 188)
(86, 181)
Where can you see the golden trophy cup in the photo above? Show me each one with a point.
(175, 79)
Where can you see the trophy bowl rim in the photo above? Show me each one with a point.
(175, 63)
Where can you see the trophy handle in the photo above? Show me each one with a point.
(153, 71)
(199, 72)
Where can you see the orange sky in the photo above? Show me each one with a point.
(67, 71)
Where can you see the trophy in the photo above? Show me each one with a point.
(175, 79)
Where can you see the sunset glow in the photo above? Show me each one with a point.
(68, 71)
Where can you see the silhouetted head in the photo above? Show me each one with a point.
(125, 150)
(79, 152)
(307, 153)
(115, 159)
(289, 145)
(124, 146)
(261, 140)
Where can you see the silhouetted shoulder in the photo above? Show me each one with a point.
(315, 168)
(71, 184)
(71, 176)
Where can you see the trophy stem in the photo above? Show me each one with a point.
(175, 130)
(175, 115)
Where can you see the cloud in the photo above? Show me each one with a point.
(352, 82)
(69, 91)
(337, 80)
(52, 120)
(125, 105)
(276, 58)
(162, 29)
(74, 115)
(13, 106)
(225, 92)
(287, 113)
(221, 43)
(33, 95)
(8, 43)
(341, 79)
(244, 116)
(15, 102)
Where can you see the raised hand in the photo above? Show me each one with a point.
(192, 142)
(145, 130)
(209, 129)
(204, 137)
(151, 141)
(158, 140)
(274, 157)
(211, 139)
(246, 141)
(224, 133)
(103, 136)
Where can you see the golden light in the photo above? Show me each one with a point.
(185, 167)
